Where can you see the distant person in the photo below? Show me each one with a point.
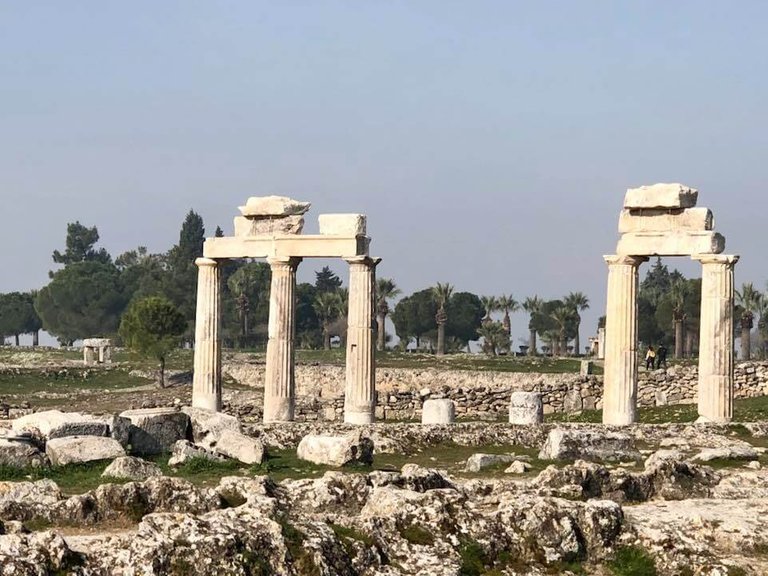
(661, 357)
(650, 358)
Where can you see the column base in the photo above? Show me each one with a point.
(278, 410)
(707, 420)
(366, 417)
(207, 402)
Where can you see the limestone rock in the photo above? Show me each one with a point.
(477, 462)
(419, 479)
(591, 444)
(36, 554)
(39, 492)
(675, 243)
(184, 451)
(77, 449)
(736, 452)
(438, 412)
(518, 467)
(661, 196)
(57, 424)
(131, 468)
(207, 425)
(526, 408)
(336, 450)
(156, 430)
(240, 447)
(20, 453)
(282, 226)
(665, 220)
(349, 225)
(275, 206)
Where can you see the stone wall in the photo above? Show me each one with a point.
(485, 394)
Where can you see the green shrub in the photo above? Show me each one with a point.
(632, 561)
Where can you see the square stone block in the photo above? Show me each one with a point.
(666, 220)
(273, 206)
(283, 226)
(661, 196)
(677, 243)
(348, 225)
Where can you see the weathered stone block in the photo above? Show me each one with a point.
(57, 424)
(580, 444)
(156, 430)
(343, 225)
(661, 196)
(208, 426)
(131, 468)
(240, 447)
(666, 220)
(677, 243)
(526, 408)
(184, 451)
(438, 412)
(77, 449)
(273, 206)
(283, 226)
(336, 450)
(477, 462)
(20, 453)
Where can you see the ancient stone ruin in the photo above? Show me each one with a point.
(270, 227)
(97, 350)
(663, 220)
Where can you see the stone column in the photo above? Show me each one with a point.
(280, 385)
(360, 391)
(716, 338)
(620, 379)
(89, 356)
(206, 383)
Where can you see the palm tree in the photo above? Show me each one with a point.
(562, 316)
(328, 306)
(577, 302)
(678, 293)
(762, 325)
(491, 304)
(495, 337)
(442, 294)
(385, 290)
(508, 304)
(532, 305)
(749, 300)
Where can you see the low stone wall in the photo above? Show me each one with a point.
(485, 395)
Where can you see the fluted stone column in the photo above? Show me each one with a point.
(620, 371)
(716, 338)
(206, 383)
(280, 385)
(360, 391)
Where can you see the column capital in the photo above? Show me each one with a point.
(283, 261)
(624, 260)
(200, 262)
(367, 260)
(729, 259)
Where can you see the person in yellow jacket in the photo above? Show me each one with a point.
(650, 358)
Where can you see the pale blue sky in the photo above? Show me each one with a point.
(490, 143)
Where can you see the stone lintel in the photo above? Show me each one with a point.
(307, 246)
(676, 243)
(666, 220)
(661, 196)
(716, 258)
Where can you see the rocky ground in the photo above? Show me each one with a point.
(685, 499)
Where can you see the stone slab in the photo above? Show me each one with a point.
(131, 468)
(77, 449)
(268, 226)
(274, 206)
(336, 450)
(526, 408)
(156, 430)
(184, 451)
(97, 342)
(208, 425)
(678, 243)
(57, 424)
(343, 224)
(442, 411)
(596, 444)
(240, 447)
(298, 246)
(20, 453)
(661, 196)
(666, 220)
